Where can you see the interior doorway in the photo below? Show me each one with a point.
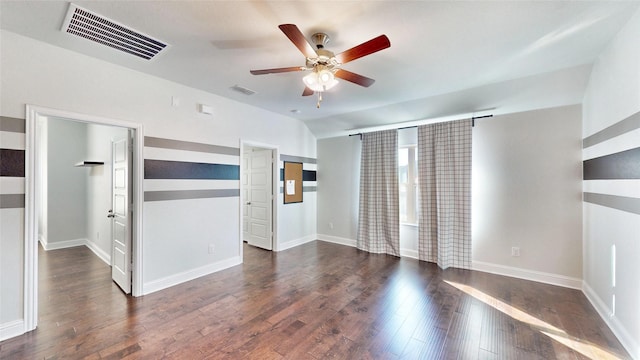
(37, 204)
(258, 195)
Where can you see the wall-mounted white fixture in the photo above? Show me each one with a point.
(205, 109)
(515, 251)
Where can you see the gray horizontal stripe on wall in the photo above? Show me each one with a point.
(301, 159)
(11, 201)
(189, 146)
(622, 165)
(12, 124)
(623, 203)
(304, 189)
(621, 127)
(189, 194)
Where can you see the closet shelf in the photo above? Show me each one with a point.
(89, 163)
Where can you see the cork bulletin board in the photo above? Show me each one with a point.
(292, 182)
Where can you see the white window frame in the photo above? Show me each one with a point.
(411, 184)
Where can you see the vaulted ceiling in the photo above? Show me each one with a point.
(446, 58)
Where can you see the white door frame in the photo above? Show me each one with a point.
(32, 205)
(275, 188)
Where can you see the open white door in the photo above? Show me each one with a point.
(121, 215)
(259, 199)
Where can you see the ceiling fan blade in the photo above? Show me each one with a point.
(277, 70)
(354, 78)
(307, 91)
(376, 44)
(298, 39)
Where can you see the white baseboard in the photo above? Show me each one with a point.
(11, 329)
(337, 240)
(538, 276)
(62, 244)
(525, 274)
(630, 343)
(296, 242)
(172, 280)
(104, 256)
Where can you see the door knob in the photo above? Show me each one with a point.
(111, 214)
(248, 202)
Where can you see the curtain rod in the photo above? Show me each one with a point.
(473, 123)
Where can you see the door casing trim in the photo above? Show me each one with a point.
(32, 206)
(275, 150)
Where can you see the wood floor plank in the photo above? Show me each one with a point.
(315, 301)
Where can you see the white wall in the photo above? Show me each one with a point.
(11, 263)
(526, 193)
(67, 184)
(527, 174)
(176, 233)
(338, 188)
(613, 94)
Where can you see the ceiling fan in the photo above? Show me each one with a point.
(325, 67)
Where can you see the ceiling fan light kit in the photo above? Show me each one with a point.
(325, 67)
(321, 79)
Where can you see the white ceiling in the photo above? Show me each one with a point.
(446, 58)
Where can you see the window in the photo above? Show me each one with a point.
(408, 182)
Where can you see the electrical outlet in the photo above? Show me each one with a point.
(331, 225)
(98, 235)
(212, 248)
(515, 251)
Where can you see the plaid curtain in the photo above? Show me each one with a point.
(379, 219)
(444, 167)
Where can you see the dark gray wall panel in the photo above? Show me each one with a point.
(163, 169)
(12, 162)
(307, 175)
(622, 165)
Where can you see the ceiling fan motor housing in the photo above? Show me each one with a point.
(325, 58)
(320, 40)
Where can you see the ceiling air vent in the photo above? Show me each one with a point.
(94, 27)
(242, 90)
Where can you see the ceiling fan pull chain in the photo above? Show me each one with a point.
(319, 99)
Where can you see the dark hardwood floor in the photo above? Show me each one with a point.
(315, 301)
